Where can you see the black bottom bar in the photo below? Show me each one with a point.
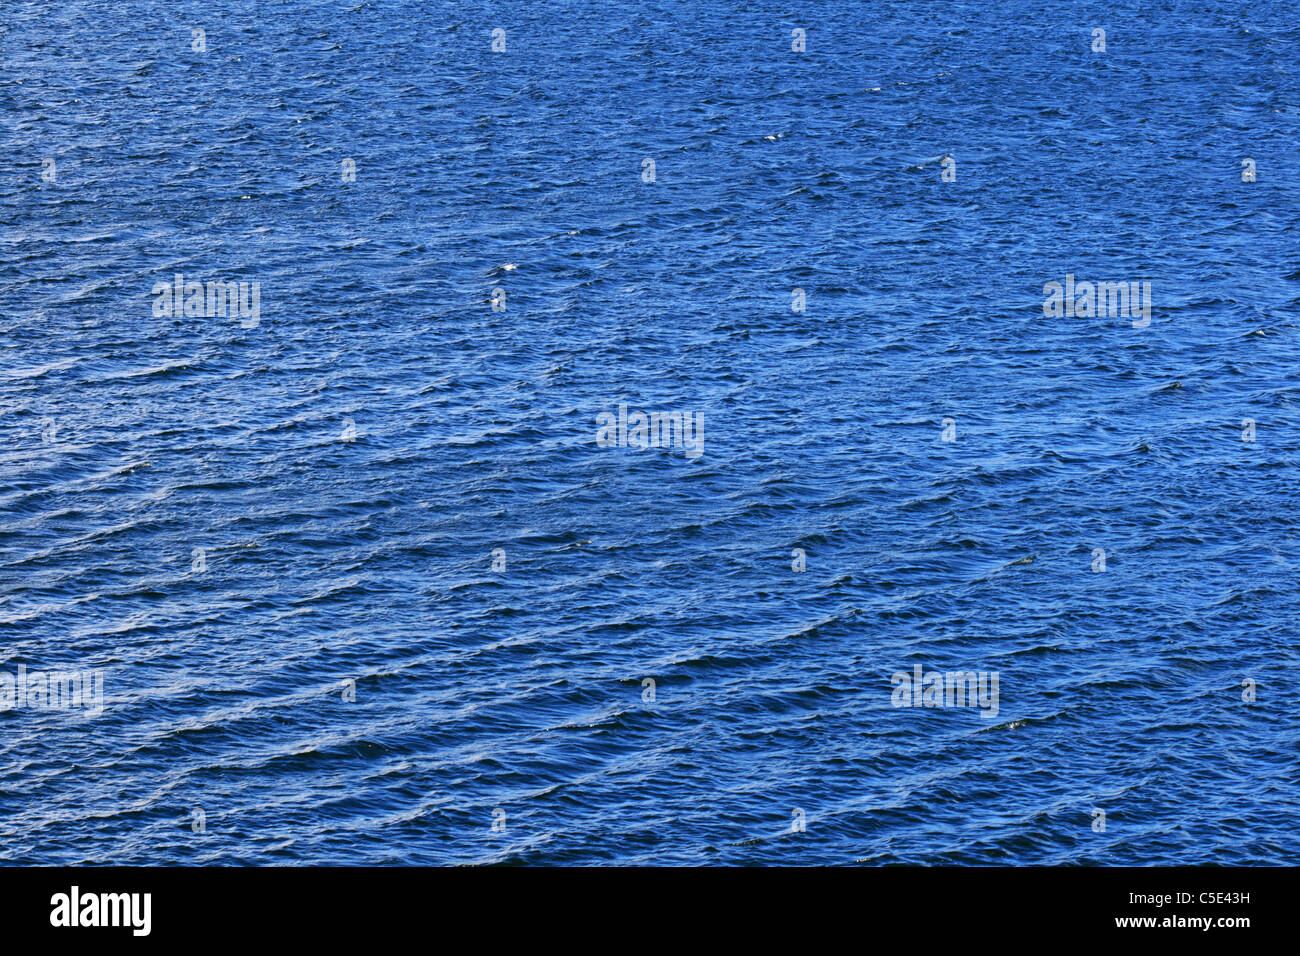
(334, 906)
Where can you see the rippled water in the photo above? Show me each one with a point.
(232, 520)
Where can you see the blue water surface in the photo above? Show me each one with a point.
(568, 653)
